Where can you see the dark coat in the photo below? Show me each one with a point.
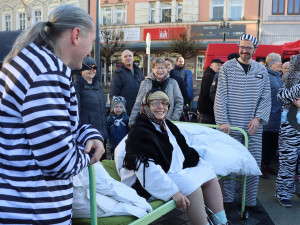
(91, 104)
(117, 127)
(205, 104)
(182, 87)
(126, 84)
(274, 119)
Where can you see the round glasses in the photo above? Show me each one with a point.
(248, 49)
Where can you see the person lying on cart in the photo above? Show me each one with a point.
(166, 167)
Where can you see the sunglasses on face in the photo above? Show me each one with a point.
(93, 67)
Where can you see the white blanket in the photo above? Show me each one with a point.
(226, 154)
(113, 197)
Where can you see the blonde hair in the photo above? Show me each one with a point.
(61, 19)
(157, 61)
(271, 58)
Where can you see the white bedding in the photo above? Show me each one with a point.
(226, 154)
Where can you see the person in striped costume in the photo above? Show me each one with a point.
(42, 146)
(243, 99)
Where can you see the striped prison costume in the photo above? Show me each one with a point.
(289, 148)
(40, 139)
(241, 97)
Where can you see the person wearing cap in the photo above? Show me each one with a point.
(285, 69)
(126, 81)
(159, 164)
(243, 99)
(214, 85)
(271, 130)
(117, 123)
(205, 105)
(90, 97)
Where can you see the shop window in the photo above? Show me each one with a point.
(166, 12)
(278, 7)
(200, 65)
(293, 7)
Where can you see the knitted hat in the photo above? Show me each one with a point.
(117, 99)
(251, 38)
(86, 62)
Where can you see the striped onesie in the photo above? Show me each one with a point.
(40, 139)
(241, 97)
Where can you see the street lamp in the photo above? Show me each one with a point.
(224, 25)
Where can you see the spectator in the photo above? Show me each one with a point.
(89, 93)
(243, 99)
(126, 81)
(117, 123)
(271, 130)
(205, 105)
(262, 61)
(163, 166)
(186, 75)
(159, 79)
(44, 146)
(170, 66)
(289, 136)
(214, 84)
(285, 69)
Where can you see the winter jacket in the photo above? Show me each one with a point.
(126, 84)
(205, 104)
(173, 91)
(91, 104)
(274, 120)
(187, 77)
(117, 128)
(182, 87)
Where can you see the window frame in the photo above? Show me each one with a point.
(162, 8)
(115, 21)
(229, 10)
(293, 13)
(39, 16)
(278, 6)
(177, 11)
(212, 10)
(200, 66)
(151, 9)
(103, 13)
(21, 21)
(6, 22)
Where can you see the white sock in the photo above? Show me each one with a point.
(220, 217)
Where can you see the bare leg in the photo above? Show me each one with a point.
(196, 212)
(213, 195)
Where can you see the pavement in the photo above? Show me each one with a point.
(274, 213)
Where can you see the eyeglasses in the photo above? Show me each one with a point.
(156, 103)
(246, 48)
(93, 67)
(160, 68)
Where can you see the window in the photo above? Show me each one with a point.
(22, 21)
(37, 15)
(166, 9)
(151, 12)
(278, 7)
(200, 65)
(179, 12)
(107, 16)
(235, 9)
(217, 9)
(293, 6)
(7, 21)
(119, 15)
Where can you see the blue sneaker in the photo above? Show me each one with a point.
(285, 203)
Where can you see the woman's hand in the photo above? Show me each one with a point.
(253, 126)
(97, 146)
(181, 201)
(225, 128)
(297, 102)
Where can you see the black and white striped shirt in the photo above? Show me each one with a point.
(241, 97)
(40, 139)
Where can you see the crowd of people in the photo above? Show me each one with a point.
(54, 124)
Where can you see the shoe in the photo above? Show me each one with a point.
(285, 203)
(255, 209)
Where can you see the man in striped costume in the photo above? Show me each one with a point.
(41, 144)
(243, 99)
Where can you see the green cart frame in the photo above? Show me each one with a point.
(164, 207)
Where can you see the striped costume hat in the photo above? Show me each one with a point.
(251, 38)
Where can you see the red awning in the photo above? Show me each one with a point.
(291, 48)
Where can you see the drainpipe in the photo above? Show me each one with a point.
(260, 20)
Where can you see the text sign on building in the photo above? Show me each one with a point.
(164, 33)
(129, 34)
(214, 32)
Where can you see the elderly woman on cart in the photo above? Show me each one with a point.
(166, 167)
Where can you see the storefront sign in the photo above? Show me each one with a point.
(129, 34)
(214, 32)
(164, 33)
